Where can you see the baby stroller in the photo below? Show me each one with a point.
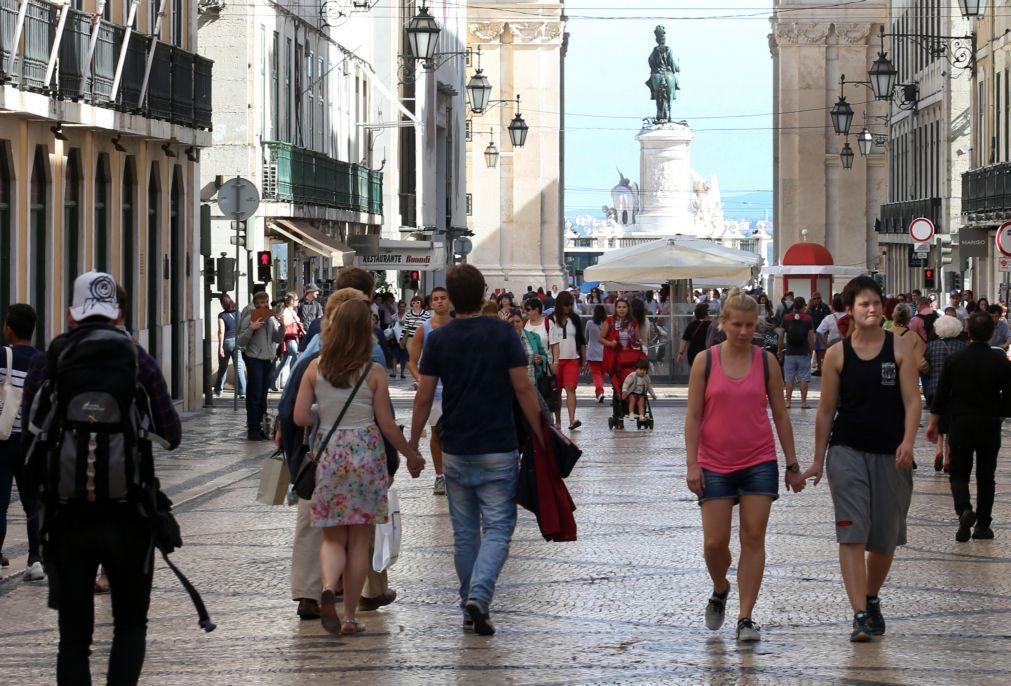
(646, 421)
(623, 364)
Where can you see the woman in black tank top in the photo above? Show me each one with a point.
(869, 415)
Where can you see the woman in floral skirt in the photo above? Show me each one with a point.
(351, 475)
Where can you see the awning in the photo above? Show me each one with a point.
(314, 239)
(839, 270)
(422, 256)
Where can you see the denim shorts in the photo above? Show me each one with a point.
(797, 367)
(761, 479)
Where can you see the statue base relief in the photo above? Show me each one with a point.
(666, 181)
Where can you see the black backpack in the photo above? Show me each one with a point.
(796, 331)
(928, 323)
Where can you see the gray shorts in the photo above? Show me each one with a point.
(871, 498)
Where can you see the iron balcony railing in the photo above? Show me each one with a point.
(987, 189)
(305, 177)
(896, 216)
(179, 85)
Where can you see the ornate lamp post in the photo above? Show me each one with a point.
(423, 35)
(842, 117)
(846, 155)
(518, 128)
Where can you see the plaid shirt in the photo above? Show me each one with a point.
(163, 412)
(937, 352)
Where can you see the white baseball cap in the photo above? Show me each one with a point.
(94, 296)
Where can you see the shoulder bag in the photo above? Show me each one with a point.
(305, 480)
(10, 398)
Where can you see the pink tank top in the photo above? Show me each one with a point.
(736, 433)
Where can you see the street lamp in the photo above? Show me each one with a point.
(478, 88)
(491, 155)
(882, 75)
(842, 117)
(518, 128)
(846, 155)
(865, 141)
(971, 8)
(422, 35)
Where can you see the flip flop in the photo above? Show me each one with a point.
(351, 627)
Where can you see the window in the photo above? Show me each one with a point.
(72, 219)
(40, 292)
(128, 238)
(320, 91)
(177, 23)
(299, 127)
(981, 124)
(275, 76)
(310, 108)
(287, 91)
(102, 213)
(995, 150)
(263, 82)
(152, 261)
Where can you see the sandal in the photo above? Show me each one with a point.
(350, 626)
(328, 612)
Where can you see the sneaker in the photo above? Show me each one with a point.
(468, 624)
(981, 534)
(747, 630)
(478, 610)
(600, 399)
(34, 572)
(4, 562)
(861, 628)
(716, 609)
(965, 522)
(217, 392)
(575, 425)
(875, 620)
(440, 485)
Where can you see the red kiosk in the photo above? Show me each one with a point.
(807, 268)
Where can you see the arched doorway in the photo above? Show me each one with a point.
(153, 260)
(128, 241)
(102, 213)
(39, 243)
(177, 259)
(72, 220)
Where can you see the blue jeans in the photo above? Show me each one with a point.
(11, 471)
(259, 373)
(228, 345)
(482, 491)
(287, 360)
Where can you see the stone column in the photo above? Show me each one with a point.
(665, 173)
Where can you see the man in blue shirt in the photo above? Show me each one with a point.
(482, 366)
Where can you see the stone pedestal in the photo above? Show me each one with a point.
(665, 177)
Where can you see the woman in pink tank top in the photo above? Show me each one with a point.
(732, 455)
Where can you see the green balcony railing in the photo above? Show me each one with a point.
(987, 189)
(296, 175)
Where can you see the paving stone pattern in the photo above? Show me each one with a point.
(623, 604)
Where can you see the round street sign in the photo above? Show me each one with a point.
(1004, 239)
(463, 246)
(238, 198)
(921, 230)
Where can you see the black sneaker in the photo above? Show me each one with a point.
(4, 562)
(478, 610)
(965, 522)
(861, 630)
(875, 620)
(748, 631)
(716, 609)
(981, 534)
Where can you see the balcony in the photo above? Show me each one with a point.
(896, 216)
(305, 177)
(986, 192)
(179, 88)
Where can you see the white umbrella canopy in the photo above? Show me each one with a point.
(671, 259)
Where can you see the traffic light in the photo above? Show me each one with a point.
(928, 278)
(415, 278)
(955, 279)
(404, 280)
(945, 248)
(225, 274)
(263, 266)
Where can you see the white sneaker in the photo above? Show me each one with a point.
(34, 572)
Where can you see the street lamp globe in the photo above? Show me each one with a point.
(971, 8)
(491, 155)
(846, 155)
(865, 141)
(423, 35)
(478, 92)
(882, 75)
(518, 131)
(842, 117)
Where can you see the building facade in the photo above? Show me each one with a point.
(813, 44)
(106, 108)
(516, 207)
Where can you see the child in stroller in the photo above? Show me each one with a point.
(623, 348)
(635, 390)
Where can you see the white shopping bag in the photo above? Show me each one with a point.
(387, 540)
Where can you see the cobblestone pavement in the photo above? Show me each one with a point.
(623, 604)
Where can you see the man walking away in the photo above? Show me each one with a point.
(869, 412)
(260, 332)
(309, 308)
(975, 387)
(796, 342)
(95, 519)
(18, 329)
(483, 367)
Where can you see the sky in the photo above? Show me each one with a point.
(725, 96)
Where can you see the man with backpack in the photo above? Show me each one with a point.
(15, 361)
(101, 399)
(923, 321)
(796, 342)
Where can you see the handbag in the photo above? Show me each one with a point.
(386, 543)
(10, 399)
(274, 480)
(567, 453)
(305, 480)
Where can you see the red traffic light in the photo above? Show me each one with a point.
(263, 258)
(928, 273)
(415, 276)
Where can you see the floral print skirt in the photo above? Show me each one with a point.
(351, 479)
